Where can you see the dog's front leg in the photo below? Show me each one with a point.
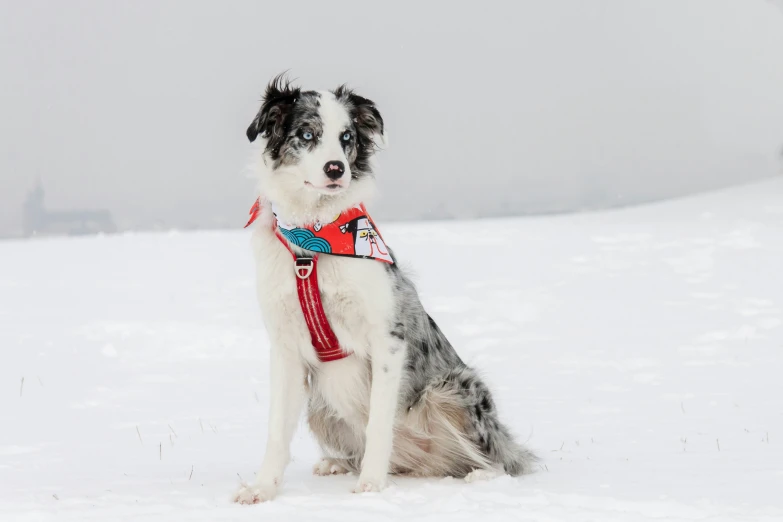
(287, 393)
(387, 365)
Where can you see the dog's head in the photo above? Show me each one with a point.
(316, 144)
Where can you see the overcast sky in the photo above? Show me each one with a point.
(491, 107)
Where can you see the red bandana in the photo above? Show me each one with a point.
(351, 233)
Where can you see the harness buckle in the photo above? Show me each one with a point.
(303, 267)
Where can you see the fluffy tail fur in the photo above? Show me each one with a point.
(454, 429)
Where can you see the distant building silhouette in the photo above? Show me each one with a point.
(37, 220)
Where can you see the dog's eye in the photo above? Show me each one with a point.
(307, 135)
(347, 136)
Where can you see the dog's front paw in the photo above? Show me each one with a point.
(255, 493)
(366, 485)
(327, 466)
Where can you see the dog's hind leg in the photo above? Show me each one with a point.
(330, 466)
(342, 446)
(482, 474)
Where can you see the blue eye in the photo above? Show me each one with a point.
(307, 135)
(347, 136)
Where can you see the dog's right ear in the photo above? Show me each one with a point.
(279, 98)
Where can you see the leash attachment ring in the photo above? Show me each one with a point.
(303, 267)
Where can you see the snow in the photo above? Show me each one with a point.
(639, 351)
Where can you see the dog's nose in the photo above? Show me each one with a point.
(334, 169)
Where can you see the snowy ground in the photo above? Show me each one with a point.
(640, 351)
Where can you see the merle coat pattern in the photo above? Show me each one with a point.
(403, 401)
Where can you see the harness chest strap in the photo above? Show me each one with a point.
(350, 233)
(324, 341)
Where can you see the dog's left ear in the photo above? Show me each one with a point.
(365, 115)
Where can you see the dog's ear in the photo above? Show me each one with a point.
(365, 115)
(279, 98)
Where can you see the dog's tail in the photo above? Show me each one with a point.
(457, 415)
(515, 458)
(491, 436)
(433, 439)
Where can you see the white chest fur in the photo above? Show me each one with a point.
(358, 301)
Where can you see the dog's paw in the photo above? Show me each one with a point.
(478, 475)
(255, 493)
(366, 485)
(326, 467)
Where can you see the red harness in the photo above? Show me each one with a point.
(324, 341)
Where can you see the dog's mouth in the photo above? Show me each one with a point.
(329, 189)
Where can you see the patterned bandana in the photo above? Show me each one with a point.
(351, 233)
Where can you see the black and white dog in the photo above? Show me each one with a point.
(403, 402)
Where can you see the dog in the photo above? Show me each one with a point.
(402, 401)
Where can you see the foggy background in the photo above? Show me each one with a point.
(492, 108)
